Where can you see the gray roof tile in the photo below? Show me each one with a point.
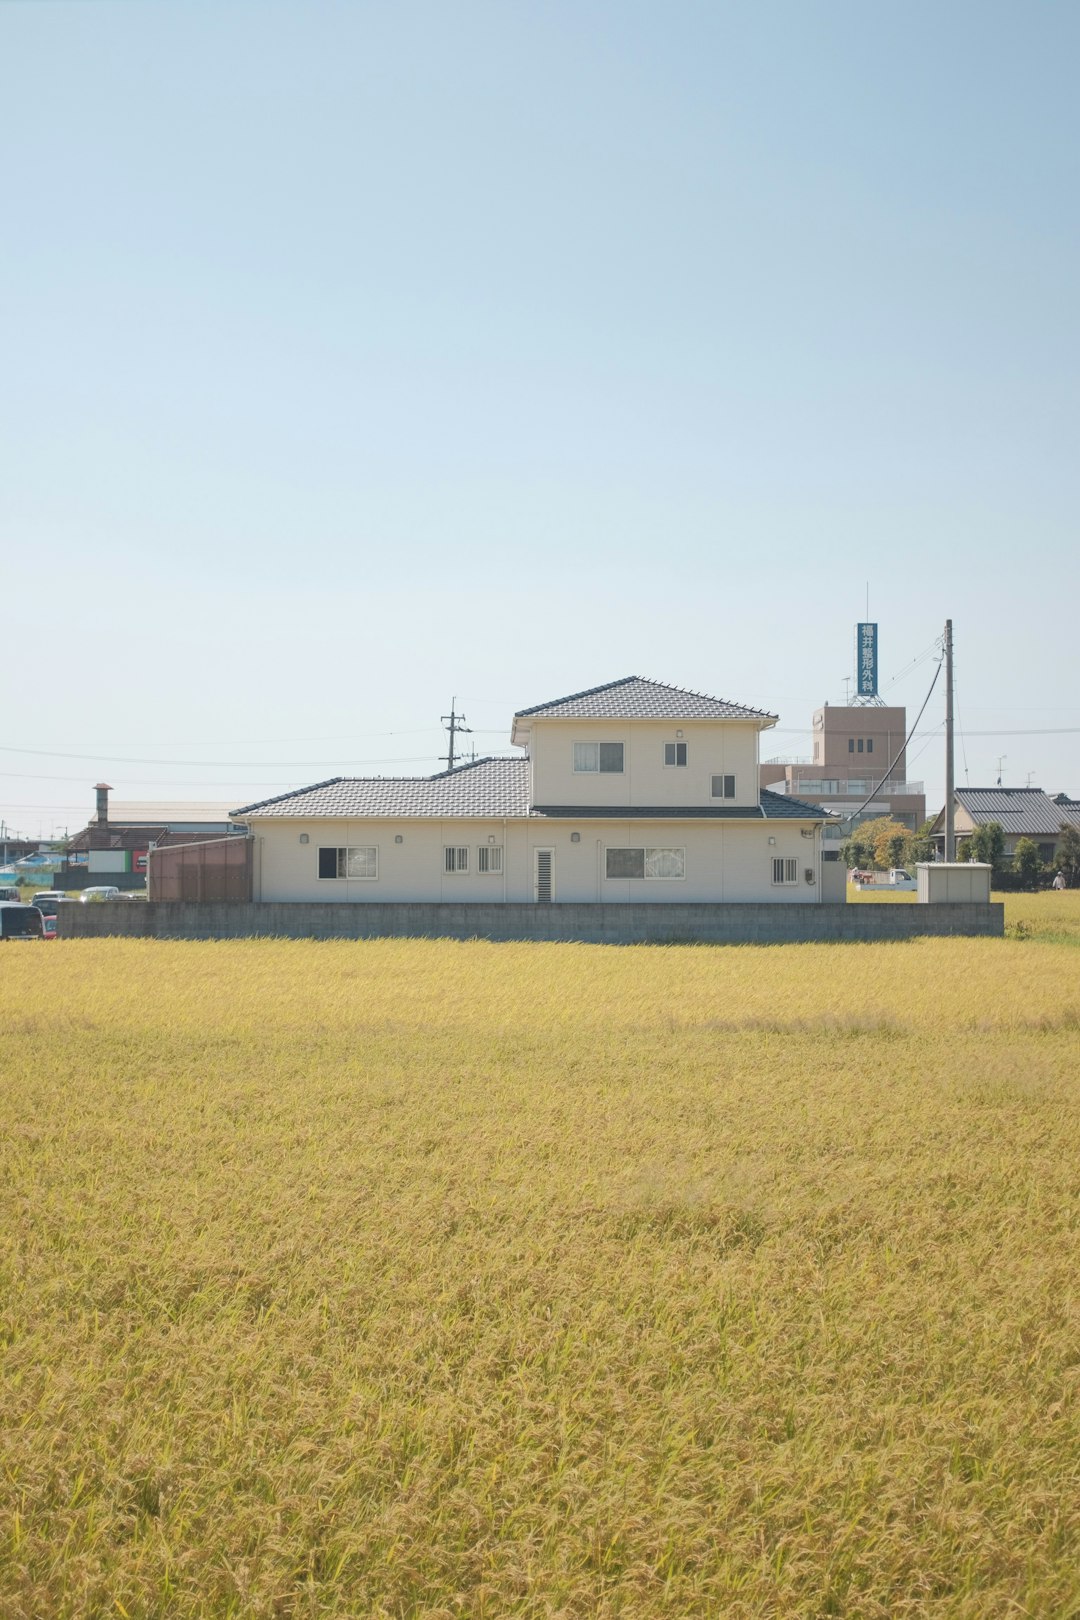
(633, 698)
(487, 787)
(1019, 811)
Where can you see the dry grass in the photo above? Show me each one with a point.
(406, 1279)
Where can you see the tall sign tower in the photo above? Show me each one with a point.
(866, 663)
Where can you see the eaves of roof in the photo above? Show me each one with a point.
(636, 698)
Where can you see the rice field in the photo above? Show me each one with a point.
(432, 1279)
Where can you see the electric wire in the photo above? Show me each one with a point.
(889, 768)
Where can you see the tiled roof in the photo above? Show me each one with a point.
(488, 787)
(495, 788)
(781, 807)
(1018, 811)
(633, 698)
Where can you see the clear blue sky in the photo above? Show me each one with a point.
(358, 356)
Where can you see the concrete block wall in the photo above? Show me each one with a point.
(595, 923)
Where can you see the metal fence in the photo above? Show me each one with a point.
(215, 869)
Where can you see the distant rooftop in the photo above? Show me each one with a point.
(634, 698)
(1022, 811)
(142, 814)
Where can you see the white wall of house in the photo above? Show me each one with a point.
(713, 748)
(723, 861)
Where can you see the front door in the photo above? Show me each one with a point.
(543, 876)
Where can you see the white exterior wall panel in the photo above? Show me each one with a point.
(714, 748)
(724, 861)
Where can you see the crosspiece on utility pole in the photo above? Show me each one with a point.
(455, 724)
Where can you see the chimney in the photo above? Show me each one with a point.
(102, 789)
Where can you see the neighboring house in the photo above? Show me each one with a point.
(629, 791)
(1020, 813)
(118, 837)
(854, 746)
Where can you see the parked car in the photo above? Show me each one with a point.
(102, 891)
(10, 894)
(54, 895)
(899, 879)
(20, 922)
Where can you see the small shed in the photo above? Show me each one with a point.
(941, 882)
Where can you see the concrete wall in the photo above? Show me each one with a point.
(602, 924)
(714, 747)
(725, 861)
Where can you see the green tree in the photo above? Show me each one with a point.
(1068, 852)
(922, 843)
(889, 841)
(856, 852)
(1026, 862)
(897, 847)
(987, 843)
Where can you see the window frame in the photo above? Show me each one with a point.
(455, 860)
(645, 851)
(342, 854)
(599, 769)
(676, 748)
(485, 853)
(724, 777)
(785, 864)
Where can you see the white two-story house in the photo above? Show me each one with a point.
(632, 791)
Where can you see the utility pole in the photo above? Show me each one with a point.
(455, 723)
(950, 812)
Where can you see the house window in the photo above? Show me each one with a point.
(456, 858)
(723, 787)
(675, 753)
(598, 756)
(860, 745)
(869, 745)
(349, 863)
(645, 863)
(785, 870)
(851, 745)
(489, 858)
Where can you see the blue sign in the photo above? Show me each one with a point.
(866, 660)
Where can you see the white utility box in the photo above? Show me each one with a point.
(952, 881)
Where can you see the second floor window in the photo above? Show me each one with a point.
(456, 858)
(598, 756)
(675, 753)
(723, 787)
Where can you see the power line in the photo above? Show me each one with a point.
(888, 769)
(102, 759)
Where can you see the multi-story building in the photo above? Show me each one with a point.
(858, 755)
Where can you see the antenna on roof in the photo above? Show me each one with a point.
(1001, 760)
(454, 723)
